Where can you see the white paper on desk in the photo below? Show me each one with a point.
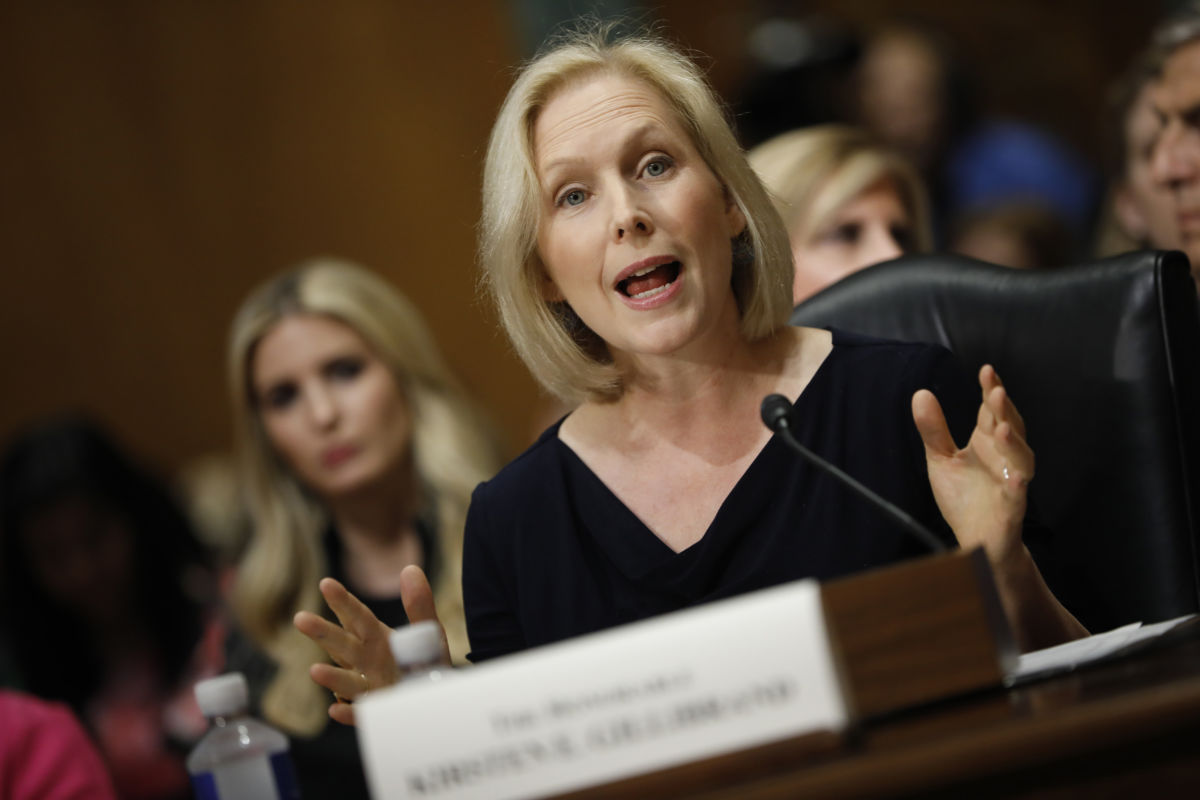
(717, 678)
(1096, 647)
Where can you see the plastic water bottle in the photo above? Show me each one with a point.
(417, 649)
(240, 758)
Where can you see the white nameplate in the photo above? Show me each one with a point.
(634, 699)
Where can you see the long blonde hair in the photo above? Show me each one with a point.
(452, 450)
(813, 172)
(563, 355)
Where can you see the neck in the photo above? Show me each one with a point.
(673, 394)
(376, 521)
(377, 533)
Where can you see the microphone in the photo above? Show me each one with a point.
(776, 410)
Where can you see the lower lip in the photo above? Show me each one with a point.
(337, 457)
(654, 301)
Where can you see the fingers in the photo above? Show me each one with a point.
(342, 712)
(931, 424)
(359, 646)
(1005, 453)
(350, 611)
(347, 684)
(1009, 464)
(998, 441)
(996, 403)
(340, 645)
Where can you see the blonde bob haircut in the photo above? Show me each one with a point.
(452, 451)
(566, 357)
(813, 172)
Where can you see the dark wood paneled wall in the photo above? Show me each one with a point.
(159, 159)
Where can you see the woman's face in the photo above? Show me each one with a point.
(873, 226)
(636, 231)
(331, 408)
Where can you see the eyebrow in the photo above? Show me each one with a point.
(638, 136)
(558, 164)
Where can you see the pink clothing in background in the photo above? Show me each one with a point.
(45, 753)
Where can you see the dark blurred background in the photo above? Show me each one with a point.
(159, 159)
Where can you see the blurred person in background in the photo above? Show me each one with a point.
(1017, 197)
(1001, 189)
(911, 94)
(45, 754)
(1175, 96)
(1138, 210)
(800, 71)
(846, 200)
(1022, 235)
(358, 452)
(108, 598)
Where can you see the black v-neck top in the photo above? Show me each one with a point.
(551, 552)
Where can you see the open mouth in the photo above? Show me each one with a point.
(650, 281)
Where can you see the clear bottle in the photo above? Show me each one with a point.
(417, 649)
(240, 758)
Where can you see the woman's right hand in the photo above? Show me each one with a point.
(358, 647)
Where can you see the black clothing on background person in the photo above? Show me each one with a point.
(551, 553)
(328, 764)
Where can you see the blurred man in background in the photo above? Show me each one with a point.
(1175, 155)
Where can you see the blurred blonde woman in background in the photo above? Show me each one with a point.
(846, 200)
(358, 452)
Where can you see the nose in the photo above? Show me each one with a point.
(629, 214)
(1176, 156)
(322, 406)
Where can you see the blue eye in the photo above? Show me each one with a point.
(656, 168)
(573, 197)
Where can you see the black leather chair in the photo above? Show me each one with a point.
(1103, 361)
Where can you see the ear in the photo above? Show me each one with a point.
(1128, 215)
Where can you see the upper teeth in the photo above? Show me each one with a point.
(645, 271)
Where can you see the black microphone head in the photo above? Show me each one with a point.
(775, 409)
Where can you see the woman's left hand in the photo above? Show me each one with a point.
(359, 648)
(362, 658)
(981, 488)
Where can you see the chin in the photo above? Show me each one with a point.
(347, 482)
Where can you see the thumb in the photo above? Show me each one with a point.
(931, 424)
(417, 596)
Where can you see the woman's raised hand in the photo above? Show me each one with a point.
(358, 647)
(980, 488)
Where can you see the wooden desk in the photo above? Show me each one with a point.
(1125, 728)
